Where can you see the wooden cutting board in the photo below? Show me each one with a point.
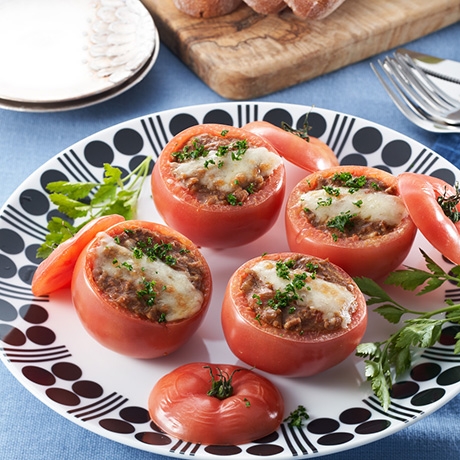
(244, 55)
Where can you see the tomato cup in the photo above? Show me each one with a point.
(180, 405)
(128, 332)
(282, 351)
(374, 256)
(216, 224)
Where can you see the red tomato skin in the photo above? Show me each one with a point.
(55, 272)
(179, 405)
(118, 329)
(371, 258)
(216, 226)
(272, 351)
(312, 156)
(419, 193)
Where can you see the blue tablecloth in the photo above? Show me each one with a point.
(29, 429)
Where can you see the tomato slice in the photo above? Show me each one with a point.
(420, 194)
(312, 155)
(55, 272)
(180, 406)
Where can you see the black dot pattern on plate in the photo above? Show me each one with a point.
(428, 396)
(181, 122)
(278, 116)
(153, 439)
(425, 371)
(31, 253)
(7, 311)
(448, 335)
(396, 153)
(67, 371)
(97, 153)
(223, 451)
(128, 141)
(51, 175)
(41, 335)
(38, 375)
(355, 415)
(11, 242)
(367, 140)
(218, 116)
(34, 202)
(323, 425)
(33, 313)
(87, 389)
(116, 426)
(12, 335)
(402, 390)
(8, 268)
(26, 273)
(449, 376)
(62, 380)
(135, 415)
(63, 396)
(373, 426)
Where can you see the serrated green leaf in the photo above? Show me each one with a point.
(72, 208)
(370, 288)
(400, 359)
(75, 191)
(432, 265)
(370, 349)
(408, 279)
(457, 344)
(379, 383)
(391, 313)
(431, 285)
(419, 332)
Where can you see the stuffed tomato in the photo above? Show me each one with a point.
(141, 289)
(352, 215)
(292, 314)
(218, 404)
(219, 185)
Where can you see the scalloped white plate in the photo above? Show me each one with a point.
(44, 345)
(58, 52)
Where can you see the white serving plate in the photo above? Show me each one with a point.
(46, 348)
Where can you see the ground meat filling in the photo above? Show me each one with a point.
(311, 298)
(222, 169)
(351, 224)
(125, 270)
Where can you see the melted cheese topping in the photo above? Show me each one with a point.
(224, 174)
(330, 299)
(371, 206)
(178, 295)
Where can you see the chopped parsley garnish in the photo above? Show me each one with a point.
(196, 150)
(148, 293)
(348, 180)
(233, 200)
(342, 221)
(449, 204)
(297, 417)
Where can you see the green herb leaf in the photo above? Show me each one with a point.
(297, 417)
(114, 195)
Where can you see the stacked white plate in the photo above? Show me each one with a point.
(57, 55)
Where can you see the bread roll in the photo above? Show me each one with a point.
(207, 8)
(266, 6)
(313, 9)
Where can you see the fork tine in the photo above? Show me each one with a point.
(418, 84)
(407, 110)
(422, 76)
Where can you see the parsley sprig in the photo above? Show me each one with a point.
(87, 200)
(393, 357)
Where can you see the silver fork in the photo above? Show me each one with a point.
(417, 97)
